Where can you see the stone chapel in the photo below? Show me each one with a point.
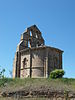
(33, 58)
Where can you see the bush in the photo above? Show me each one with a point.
(57, 73)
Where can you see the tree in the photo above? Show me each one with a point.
(2, 71)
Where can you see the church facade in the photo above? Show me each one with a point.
(33, 58)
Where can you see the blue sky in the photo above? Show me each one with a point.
(55, 19)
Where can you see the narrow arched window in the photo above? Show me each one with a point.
(24, 63)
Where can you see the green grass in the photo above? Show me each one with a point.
(10, 85)
(56, 84)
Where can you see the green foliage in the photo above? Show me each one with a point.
(3, 81)
(2, 71)
(57, 73)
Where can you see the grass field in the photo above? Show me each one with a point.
(56, 84)
(12, 85)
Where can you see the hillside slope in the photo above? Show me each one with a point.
(40, 87)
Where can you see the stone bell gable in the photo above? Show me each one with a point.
(33, 58)
(32, 37)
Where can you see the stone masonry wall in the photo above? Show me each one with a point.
(39, 62)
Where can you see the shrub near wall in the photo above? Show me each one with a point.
(57, 73)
